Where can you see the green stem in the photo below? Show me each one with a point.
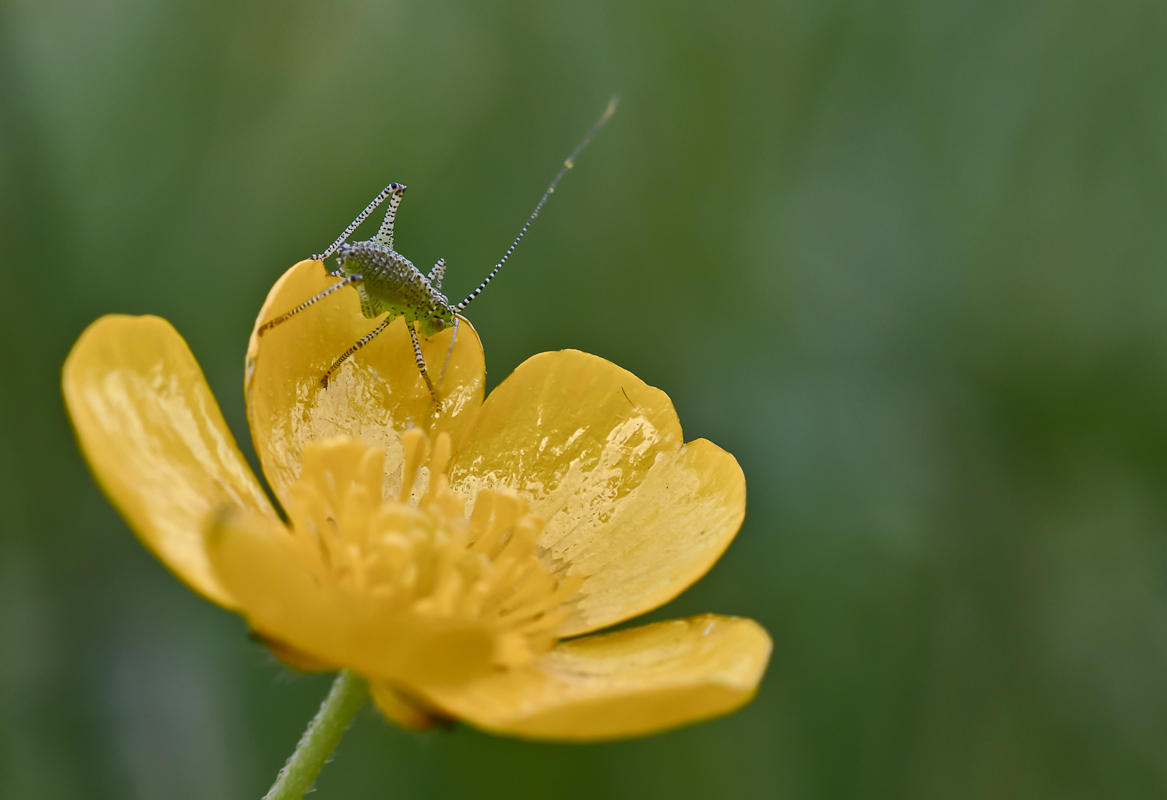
(347, 695)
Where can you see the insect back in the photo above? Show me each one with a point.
(389, 284)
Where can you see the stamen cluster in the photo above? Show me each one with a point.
(434, 578)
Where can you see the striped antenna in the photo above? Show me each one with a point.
(568, 164)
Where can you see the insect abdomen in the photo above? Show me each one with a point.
(391, 283)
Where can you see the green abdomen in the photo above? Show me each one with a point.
(392, 284)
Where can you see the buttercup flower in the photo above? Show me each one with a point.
(453, 554)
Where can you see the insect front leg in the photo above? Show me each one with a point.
(436, 274)
(364, 340)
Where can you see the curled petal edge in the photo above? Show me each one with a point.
(620, 685)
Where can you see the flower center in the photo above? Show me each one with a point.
(455, 594)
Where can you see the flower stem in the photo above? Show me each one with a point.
(347, 695)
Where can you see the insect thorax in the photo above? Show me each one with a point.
(393, 285)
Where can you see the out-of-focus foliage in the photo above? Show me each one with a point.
(905, 260)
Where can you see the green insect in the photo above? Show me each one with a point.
(388, 282)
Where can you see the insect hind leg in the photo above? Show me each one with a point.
(395, 190)
(274, 321)
(385, 235)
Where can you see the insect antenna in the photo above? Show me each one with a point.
(568, 164)
(449, 353)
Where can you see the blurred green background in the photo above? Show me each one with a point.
(904, 259)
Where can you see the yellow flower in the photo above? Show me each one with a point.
(446, 553)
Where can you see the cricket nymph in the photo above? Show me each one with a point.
(389, 284)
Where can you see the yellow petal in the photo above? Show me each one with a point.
(156, 441)
(405, 711)
(621, 684)
(288, 602)
(294, 658)
(281, 599)
(374, 396)
(631, 510)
